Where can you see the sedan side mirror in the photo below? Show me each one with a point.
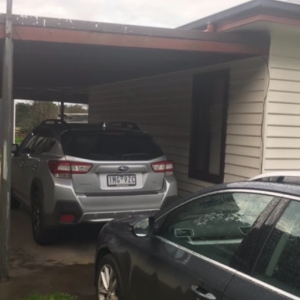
(143, 228)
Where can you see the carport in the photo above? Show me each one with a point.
(59, 60)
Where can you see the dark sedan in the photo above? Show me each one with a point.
(230, 242)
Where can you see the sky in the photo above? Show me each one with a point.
(158, 13)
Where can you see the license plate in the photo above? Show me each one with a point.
(121, 180)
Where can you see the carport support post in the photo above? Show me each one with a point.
(62, 110)
(7, 127)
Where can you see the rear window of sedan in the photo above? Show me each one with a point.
(110, 146)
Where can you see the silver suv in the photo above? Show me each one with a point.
(74, 173)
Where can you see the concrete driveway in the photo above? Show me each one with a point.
(64, 267)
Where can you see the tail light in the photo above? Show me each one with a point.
(65, 169)
(67, 218)
(166, 167)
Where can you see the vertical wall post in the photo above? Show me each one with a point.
(7, 133)
(62, 110)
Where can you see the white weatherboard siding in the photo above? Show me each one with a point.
(282, 135)
(161, 105)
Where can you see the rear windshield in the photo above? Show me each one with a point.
(113, 147)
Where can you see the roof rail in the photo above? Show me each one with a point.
(122, 125)
(54, 121)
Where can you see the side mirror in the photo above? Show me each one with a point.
(143, 228)
(14, 148)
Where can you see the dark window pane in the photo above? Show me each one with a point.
(294, 180)
(43, 142)
(279, 264)
(27, 146)
(216, 225)
(210, 92)
(40, 144)
(114, 147)
(216, 127)
(50, 144)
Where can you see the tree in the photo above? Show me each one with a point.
(22, 111)
(42, 111)
(75, 109)
(29, 115)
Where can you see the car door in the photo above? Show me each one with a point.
(275, 274)
(30, 167)
(190, 256)
(19, 162)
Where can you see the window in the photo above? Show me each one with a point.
(44, 142)
(207, 154)
(40, 144)
(28, 144)
(50, 144)
(279, 263)
(216, 225)
(114, 147)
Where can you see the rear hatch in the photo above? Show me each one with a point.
(106, 162)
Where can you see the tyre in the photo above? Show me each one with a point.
(109, 283)
(14, 203)
(41, 234)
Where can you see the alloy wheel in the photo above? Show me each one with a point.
(107, 284)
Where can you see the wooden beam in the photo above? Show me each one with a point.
(37, 34)
(258, 18)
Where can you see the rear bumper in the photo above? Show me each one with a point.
(82, 216)
(108, 216)
(104, 207)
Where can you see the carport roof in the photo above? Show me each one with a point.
(59, 59)
(272, 11)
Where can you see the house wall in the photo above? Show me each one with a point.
(162, 106)
(282, 134)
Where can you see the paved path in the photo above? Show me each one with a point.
(64, 267)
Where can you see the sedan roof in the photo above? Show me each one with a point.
(279, 189)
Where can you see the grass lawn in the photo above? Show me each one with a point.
(18, 140)
(51, 297)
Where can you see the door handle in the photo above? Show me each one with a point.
(204, 295)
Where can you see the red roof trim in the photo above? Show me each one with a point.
(26, 33)
(257, 18)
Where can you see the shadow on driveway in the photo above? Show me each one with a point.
(66, 267)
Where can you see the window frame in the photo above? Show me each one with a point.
(196, 104)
